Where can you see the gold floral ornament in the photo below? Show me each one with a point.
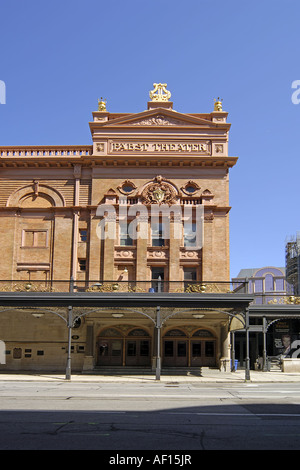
(27, 287)
(207, 288)
(218, 105)
(290, 299)
(160, 92)
(102, 104)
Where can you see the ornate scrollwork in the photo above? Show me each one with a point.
(159, 120)
(159, 192)
(160, 92)
(289, 299)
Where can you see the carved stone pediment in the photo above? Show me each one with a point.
(158, 117)
(159, 120)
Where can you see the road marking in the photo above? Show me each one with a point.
(250, 414)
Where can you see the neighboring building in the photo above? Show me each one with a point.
(269, 287)
(52, 202)
(292, 263)
(265, 284)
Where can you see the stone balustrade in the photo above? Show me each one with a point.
(46, 151)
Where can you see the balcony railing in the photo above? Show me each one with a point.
(151, 286)
(46, 151)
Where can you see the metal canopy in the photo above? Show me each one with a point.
(91, 299)
(234, 303)
(274, 311)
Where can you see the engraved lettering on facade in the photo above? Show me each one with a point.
(197, 147)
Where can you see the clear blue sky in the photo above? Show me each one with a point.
(59, 57)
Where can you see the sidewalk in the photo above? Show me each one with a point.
(208, 376)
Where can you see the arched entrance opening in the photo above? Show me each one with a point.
(138, 348)
(183, 350)
(110, 348)
(175, 349)
(115, 348)
(203, 349)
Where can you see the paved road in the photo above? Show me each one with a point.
(154, 416)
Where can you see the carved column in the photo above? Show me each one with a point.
(174, 252)
(94, 249)
(109, 247)
(77, 175)
(207, 250)
(141, 248)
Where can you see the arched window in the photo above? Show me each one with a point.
(269, 283)
(203, 334)
(138, 332)
(175, 332)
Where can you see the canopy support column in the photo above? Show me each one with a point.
(247, 368)
(158, 352)
(70, 324)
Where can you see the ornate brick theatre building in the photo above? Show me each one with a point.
(113, 217)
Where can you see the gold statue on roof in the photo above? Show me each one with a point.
(160, 92)
(102, 104)
(218, 105)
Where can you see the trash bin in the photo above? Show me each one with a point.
(235, 364)
(151, 289)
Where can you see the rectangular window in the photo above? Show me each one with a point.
(125, 239)
(209, 348)
(116, 348)
(131, 348)
(83, 235)
(144, 348)
(181, 349)
(190, 274)
(157, 234)
(196, 349)
(27, 353)
(82, 264)
(157, 275)
(169, 349)
(190, 235)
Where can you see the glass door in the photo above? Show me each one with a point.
(203, 353)
(175, 353)
(196, 353)
(137, 352)
(110, 352)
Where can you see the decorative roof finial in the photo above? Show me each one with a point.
(160, 92)
(102, 104)
(218, 104)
